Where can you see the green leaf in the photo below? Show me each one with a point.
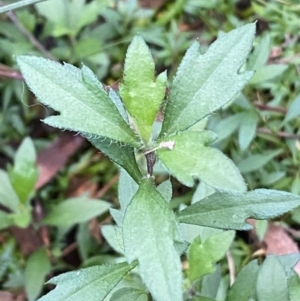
(122, 155)
(203, 255)
(206, 82)
(127, 188)
(148, 216)
(69, 16)
(113, 236)
(210, 283)
(190, 158)
(5, 220)
(244, 286)
(257, 161)
(75, 210)
(39, 265)
(90, 284)
(24, 174)
(293, 111)
(260, 55)
(165, 189)
(84, 106)
(142, 95)
(271, 281)
(129, 294)
(247, 129)
(230, 210)
(294, 286)
(8, 196)
(267, 72)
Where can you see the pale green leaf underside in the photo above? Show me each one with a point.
(205, 82)
(75, 210)
(230, 210)
(243, 289)
(272, 275)
(149, 232)
(191, 158)
(89, 284)
(142, 95)
(83, 105)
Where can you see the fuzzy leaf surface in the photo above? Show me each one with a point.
(89, 284)
(230, 210)
(149, 232)
(271, 281)
(142, 95)
(70, 91)
(244, 288)
(205, 82)
(191, 158)
(122, 155)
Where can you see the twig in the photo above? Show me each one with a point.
(68, 249)
(8, 72)
(31, 38)
(230, 267)
(269, 108)
(279, 134)
(17, 5)
(106, 187)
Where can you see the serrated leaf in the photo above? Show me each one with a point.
(142, 95)
(271, 281)
(206, 82)
(230, 210)
(190, 158)
(203, 255)
(37, 264)
(75, 210)
(89, 284)
(122, 155)
(148, 216)
(129, 294)
(24, 173)
(69, 91)
(247, 129)
(244, 286)
(8, 196)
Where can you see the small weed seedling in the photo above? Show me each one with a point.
(149, 234)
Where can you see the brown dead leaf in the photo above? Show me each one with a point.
(50, 160)
(8, 296)
(279, 242)
(28, 239)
